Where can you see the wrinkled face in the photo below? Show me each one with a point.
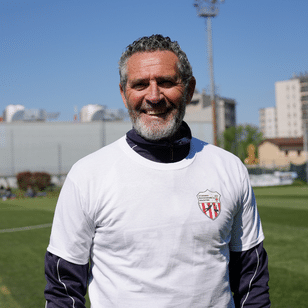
(155, 95)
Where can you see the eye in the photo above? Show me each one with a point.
(140, 86)
(166, 83)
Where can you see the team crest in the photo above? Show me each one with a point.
(209, 203)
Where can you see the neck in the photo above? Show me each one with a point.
(166, 150)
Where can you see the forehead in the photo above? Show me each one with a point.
(157, 62)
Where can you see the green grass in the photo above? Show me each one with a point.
(22, 279)
(284, 214)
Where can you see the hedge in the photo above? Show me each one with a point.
(36, 180)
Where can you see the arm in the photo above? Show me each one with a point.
(249, 277)
(67, 257)
(66, 282)
(248, 265)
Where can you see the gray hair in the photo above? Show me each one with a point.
(153, 43)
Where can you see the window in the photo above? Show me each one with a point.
(304, 98)
(304, 89)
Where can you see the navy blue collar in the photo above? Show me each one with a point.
(165, 150)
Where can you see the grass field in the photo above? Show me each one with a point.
(284, 214)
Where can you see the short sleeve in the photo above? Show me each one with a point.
(72, 230)
(247, 229)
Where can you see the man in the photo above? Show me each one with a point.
(163, 219)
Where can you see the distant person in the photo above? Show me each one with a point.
(30, 192)
(9, 194)
(2, 190)
(158, 219)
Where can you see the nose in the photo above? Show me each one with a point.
(153, 96)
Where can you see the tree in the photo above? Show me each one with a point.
(237, 139)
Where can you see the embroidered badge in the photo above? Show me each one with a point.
(209, 203)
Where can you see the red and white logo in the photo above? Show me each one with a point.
(209, 203)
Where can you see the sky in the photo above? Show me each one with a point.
(60, 55)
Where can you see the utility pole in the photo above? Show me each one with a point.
(209, 9)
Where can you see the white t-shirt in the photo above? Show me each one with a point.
(158, 235)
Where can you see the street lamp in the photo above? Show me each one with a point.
(209, 9)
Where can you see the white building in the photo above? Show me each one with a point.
(289, 108)
(96, 112)
(13, 113)
(286, 119)
(268, 122)
(18, 113)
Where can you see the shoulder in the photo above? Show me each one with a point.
(215, 160)
(98, 161)
(212, 152)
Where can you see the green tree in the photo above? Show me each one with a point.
(237, 139)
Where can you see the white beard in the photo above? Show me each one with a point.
(155, 130)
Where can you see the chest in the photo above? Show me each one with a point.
(158, 206)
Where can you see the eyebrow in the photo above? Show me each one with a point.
(162, 78)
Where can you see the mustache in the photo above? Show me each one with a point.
(162, 104)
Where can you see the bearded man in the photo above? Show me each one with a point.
(157, 219)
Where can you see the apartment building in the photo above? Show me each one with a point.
(288, 108)
(286, 119)
(268, 122)
(200, 110)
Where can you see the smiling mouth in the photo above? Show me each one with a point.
(156, 112)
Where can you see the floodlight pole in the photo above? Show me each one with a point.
(212, 82)
(209, 9)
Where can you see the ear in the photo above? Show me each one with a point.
(123, 95)
(191, 89)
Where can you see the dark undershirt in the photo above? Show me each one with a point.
(163, 151)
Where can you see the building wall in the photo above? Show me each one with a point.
(200, 110)
(202, 130)
(198, 114)
(271, 156)
(54, 147)
(288, 108)
(226, 114)
(268, 122)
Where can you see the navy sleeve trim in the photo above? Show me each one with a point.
(252, 278)
(66, 283)
(249, 277)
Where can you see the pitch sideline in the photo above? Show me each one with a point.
(26, 228)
